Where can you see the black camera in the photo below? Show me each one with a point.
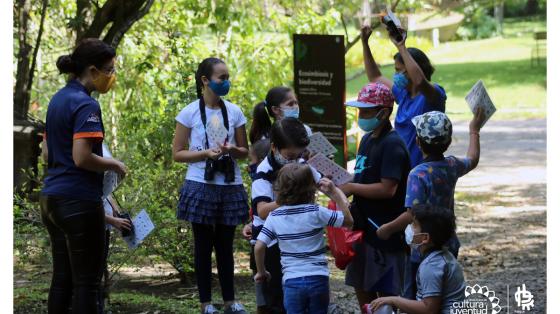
(224, 164)
(392, 28)
(124, 232)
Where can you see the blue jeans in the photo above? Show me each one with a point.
(307, 295)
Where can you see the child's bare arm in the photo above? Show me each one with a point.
(398, 224)
(336, 194)
(425, 306)
(473, 153)
(260, 252)
(264, 209)
(382, 190)
(342, 203)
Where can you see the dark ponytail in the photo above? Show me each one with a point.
(261, 123)
(90, 51)
(263, 112)
(205, 68)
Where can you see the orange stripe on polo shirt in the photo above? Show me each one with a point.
(88, 135)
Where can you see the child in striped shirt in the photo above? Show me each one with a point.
(298, 226)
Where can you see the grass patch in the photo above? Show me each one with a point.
(141, 295)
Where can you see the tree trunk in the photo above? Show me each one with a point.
(499, 14)
(120, 14)
(21, 91)
(37, 44)
(531, 7)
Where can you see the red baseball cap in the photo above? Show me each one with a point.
(373, 95)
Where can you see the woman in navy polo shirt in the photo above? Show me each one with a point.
(411, 86)
(71, 205)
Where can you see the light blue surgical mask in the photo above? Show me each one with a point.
(291, 112)
(368, 125)
(220, 89)
(400, 80)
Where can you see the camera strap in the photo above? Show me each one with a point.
(202, 107)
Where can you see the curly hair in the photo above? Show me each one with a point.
(438, 222)
(295, 185)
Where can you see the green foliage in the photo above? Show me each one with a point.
(478, 24)
(157, 60)
(517, 8)
(31, 241)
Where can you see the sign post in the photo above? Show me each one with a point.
(319, 83)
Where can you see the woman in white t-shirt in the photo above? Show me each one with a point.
(212, 198)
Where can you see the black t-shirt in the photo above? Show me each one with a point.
(383, 157)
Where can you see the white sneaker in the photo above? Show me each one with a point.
(235, 308)
(210, 309)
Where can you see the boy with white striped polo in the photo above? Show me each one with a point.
(298, 226)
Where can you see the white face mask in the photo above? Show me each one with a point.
(408, 234)
(409, 237)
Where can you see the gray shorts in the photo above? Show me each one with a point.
(374, 270)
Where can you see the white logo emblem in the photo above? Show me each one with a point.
(478, 300)
(93, 117)
(524, 298)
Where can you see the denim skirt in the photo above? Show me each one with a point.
(213, 204)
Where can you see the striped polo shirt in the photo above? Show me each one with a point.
(299, 230)
(262, 186)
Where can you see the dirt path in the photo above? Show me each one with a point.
(501, 210)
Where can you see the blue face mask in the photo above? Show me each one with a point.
(291, 112)
(400, 80)
(368, 125)
(220, 89)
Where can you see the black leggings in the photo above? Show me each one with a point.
(77, 232)
(207, 237)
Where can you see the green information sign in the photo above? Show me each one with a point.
(319, 83)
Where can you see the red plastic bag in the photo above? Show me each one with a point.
(341, 241)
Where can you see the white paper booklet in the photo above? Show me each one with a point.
(143, 226)
(216, 131)
(327, 167)
(110, 178)
(318, 144)
(478, 97)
